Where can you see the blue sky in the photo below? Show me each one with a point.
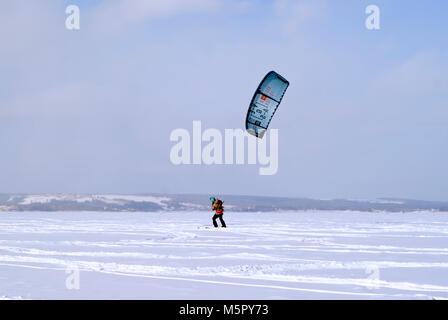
(365, 116)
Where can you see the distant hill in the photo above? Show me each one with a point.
(186, 202)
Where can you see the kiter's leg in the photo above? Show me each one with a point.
(214, 221)
(223, 224)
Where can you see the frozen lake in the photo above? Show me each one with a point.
(271, 255)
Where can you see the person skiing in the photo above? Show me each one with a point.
(218, 207)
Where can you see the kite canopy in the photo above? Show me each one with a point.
(264, 103)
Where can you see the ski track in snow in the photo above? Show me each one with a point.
(288, 255)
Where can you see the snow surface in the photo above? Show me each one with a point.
(270, 255)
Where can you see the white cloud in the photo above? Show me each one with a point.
(420, 75)
(295, 13)
(27, 25)
(112, 15)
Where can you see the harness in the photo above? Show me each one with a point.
(219, 211)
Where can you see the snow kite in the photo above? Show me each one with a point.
(264, 103)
